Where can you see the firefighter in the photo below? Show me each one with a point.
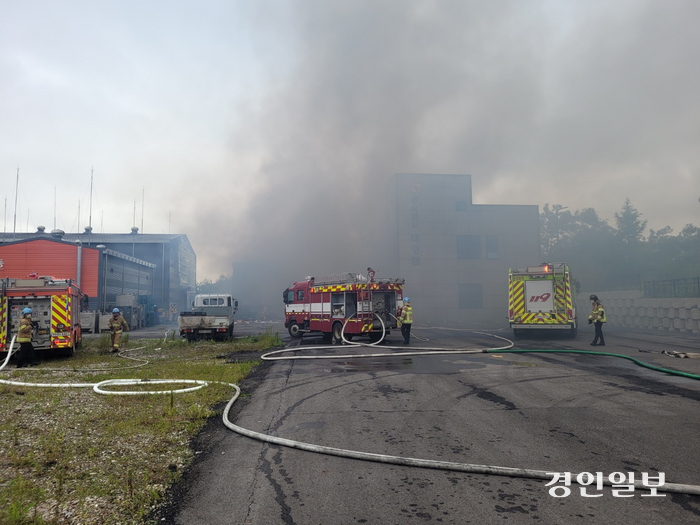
(26, 355)
(117, 324)
(406, 320)
(597, 318)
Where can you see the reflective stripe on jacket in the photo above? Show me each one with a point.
(597, 312)
(116, 324)
(24, 335)
(407, 315)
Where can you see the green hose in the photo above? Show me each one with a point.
(637, 361)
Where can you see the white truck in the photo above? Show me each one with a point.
(211, 317)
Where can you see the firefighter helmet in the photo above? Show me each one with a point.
(115, 311)
(26, 311)
(593, 297)
(406, 300)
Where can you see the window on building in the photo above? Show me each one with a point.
(492, 247)
(468, 247)
(470, 296)
(461, 206)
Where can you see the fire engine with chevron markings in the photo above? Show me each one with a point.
(55, 305)
(363, 305)
(542, 298)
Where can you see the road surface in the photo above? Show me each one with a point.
(549, 412)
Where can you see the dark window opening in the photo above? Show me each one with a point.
(492, 247)
(468, 247)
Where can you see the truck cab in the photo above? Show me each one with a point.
(211, 317)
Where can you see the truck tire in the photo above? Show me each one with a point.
(295, 330)
(375, 337)
(338, 332)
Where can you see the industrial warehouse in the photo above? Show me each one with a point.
(148, 277)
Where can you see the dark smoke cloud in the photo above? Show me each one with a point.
(577, 103)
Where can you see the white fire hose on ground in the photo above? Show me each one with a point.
(353, 454)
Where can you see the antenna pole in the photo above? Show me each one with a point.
(14, 227)
(90, 219)
(143, 196)
(54, 207)
(78, 214)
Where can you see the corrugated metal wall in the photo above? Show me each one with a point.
(47, 257)
(124, 277)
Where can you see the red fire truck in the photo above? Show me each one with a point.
(325, 304)
(55, 305)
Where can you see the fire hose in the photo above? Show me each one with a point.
(353, 454)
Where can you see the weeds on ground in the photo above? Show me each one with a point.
(70, 455)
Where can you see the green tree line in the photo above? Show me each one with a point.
(619, 257)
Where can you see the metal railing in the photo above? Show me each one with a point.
(689, 287)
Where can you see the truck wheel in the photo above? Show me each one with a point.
(375, 337)
(338, 332)
(295, 330)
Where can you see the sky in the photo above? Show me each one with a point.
(270, 129)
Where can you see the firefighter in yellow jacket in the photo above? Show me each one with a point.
(406, 320)
(117, 324)
(597, 318)
(26, 355)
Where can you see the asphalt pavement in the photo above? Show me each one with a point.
(554, 412)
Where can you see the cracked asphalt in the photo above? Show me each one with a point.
(553, 412)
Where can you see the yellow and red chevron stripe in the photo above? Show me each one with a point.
(539, 318)
(350, 287)
(3, 323)
(60, 315)
(517, 297)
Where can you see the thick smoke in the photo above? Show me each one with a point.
(582, 104)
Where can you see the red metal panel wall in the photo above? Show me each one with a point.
(50, 258)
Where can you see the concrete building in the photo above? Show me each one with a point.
(455, 255)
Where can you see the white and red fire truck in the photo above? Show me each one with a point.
(55, 305)
(325, 304)
(541, 298)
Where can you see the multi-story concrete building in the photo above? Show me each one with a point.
(455, 254)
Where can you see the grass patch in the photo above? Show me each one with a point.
(69, 455)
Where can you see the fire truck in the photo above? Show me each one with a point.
(55, 305)
(541, 298)
(325, 304)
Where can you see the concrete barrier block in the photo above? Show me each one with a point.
(673, 313)
(679, 324)
(655, 322)
(691, 302)
(666, 323)
(695, 313)
(691, 324)
(651, 311)
(683, 313)
(625, 311)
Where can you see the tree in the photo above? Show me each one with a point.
(630, 228)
